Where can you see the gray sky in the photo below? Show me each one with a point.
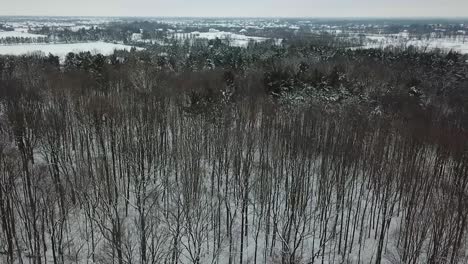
(238, 8)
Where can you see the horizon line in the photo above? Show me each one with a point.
(246, 17)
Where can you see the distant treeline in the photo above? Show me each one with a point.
(22, 40)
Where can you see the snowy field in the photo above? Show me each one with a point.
(237, 40)
(445, 44)
(62, 50)
(19, 34)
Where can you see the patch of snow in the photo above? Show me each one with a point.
(376, 37)
(235, 39)
(62, 50)
(19, 34)
(78, 28)
(443, 44)
(23, 30)
(137, 36)
(458, 44)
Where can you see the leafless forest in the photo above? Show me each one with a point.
(292, 154)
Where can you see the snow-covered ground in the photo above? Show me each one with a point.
(443, 44)
(19, 34)
(235, 39)
(62, 50)
(446, 44)
(79, 27)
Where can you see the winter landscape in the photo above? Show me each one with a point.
(281, 132)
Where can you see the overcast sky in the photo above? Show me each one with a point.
(238, 8)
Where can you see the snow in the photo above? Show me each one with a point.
(62, 50)
(376, 37)
(443, 44)
(19, 34)
(403, 34)
(24, 29)
(236, 39)
(446, 44)
(137, 36)
(78, 28)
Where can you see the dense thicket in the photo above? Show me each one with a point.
(215, 154)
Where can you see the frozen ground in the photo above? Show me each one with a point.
(19, 34)
(79, 27)
(62, 50)
(235, 39)
(446, 44)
